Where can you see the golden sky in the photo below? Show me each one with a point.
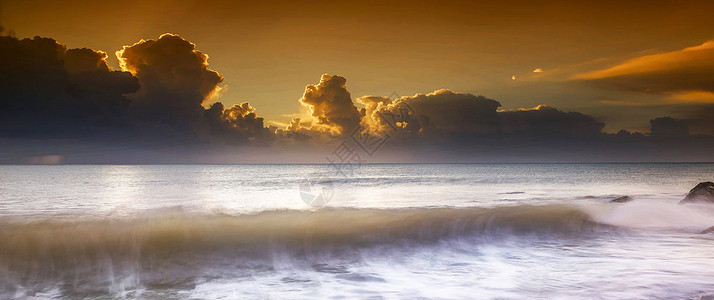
(268, 51)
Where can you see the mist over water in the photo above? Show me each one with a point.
(446, 231)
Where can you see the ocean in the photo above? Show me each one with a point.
(371, 231)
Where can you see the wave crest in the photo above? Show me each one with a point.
(139, 251)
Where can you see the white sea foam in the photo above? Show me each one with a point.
(655, 215)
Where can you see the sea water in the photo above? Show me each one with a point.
(383, 231)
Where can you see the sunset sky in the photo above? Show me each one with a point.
(623, 63)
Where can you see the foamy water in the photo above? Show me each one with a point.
(531, 231)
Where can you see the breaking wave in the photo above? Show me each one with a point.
(175, 250)
(325, 227)
(101, 255)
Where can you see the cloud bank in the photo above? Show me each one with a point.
(50, 91)
(161, 102)
(444, 112)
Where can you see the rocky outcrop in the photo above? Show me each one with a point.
(622, 199)
(708, 230)
(702, 193)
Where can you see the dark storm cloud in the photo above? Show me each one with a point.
(48, 90)
(449, 126)
(443, 110)
(175, 82)
(668, 127)
(546, 120)
(236, 123)
(448, 112)
(689, 69)
(170, 64)
(457, 127)
(442, 114)
(85, 60)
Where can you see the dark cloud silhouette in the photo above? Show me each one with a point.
(53, 92)
(331, 105)
(546, 120)
(170, 64)
(235, 124)
(450, 126)
(455, 112)
(175, 82)
(85, 60)
(101, 90)
(48, 90)
(668, 127)
(449, 112)
(441, 110)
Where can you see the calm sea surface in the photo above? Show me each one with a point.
(392, 231)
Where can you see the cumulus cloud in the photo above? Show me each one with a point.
(446, 112)
(372, 107)
(439, 115)
(170, 64)
(175, 81)
(101, 90)
(51, 91)
(546, 120)
(298, 130)
(689, 69)
(236, 123)
(85, 60)
(668, 127)
(243, 118)
(294, 125)
(331, 105)
(441, 110)
(455, 112)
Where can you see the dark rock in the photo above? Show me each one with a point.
(708, 230)
(703, 192)
(622, 199)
